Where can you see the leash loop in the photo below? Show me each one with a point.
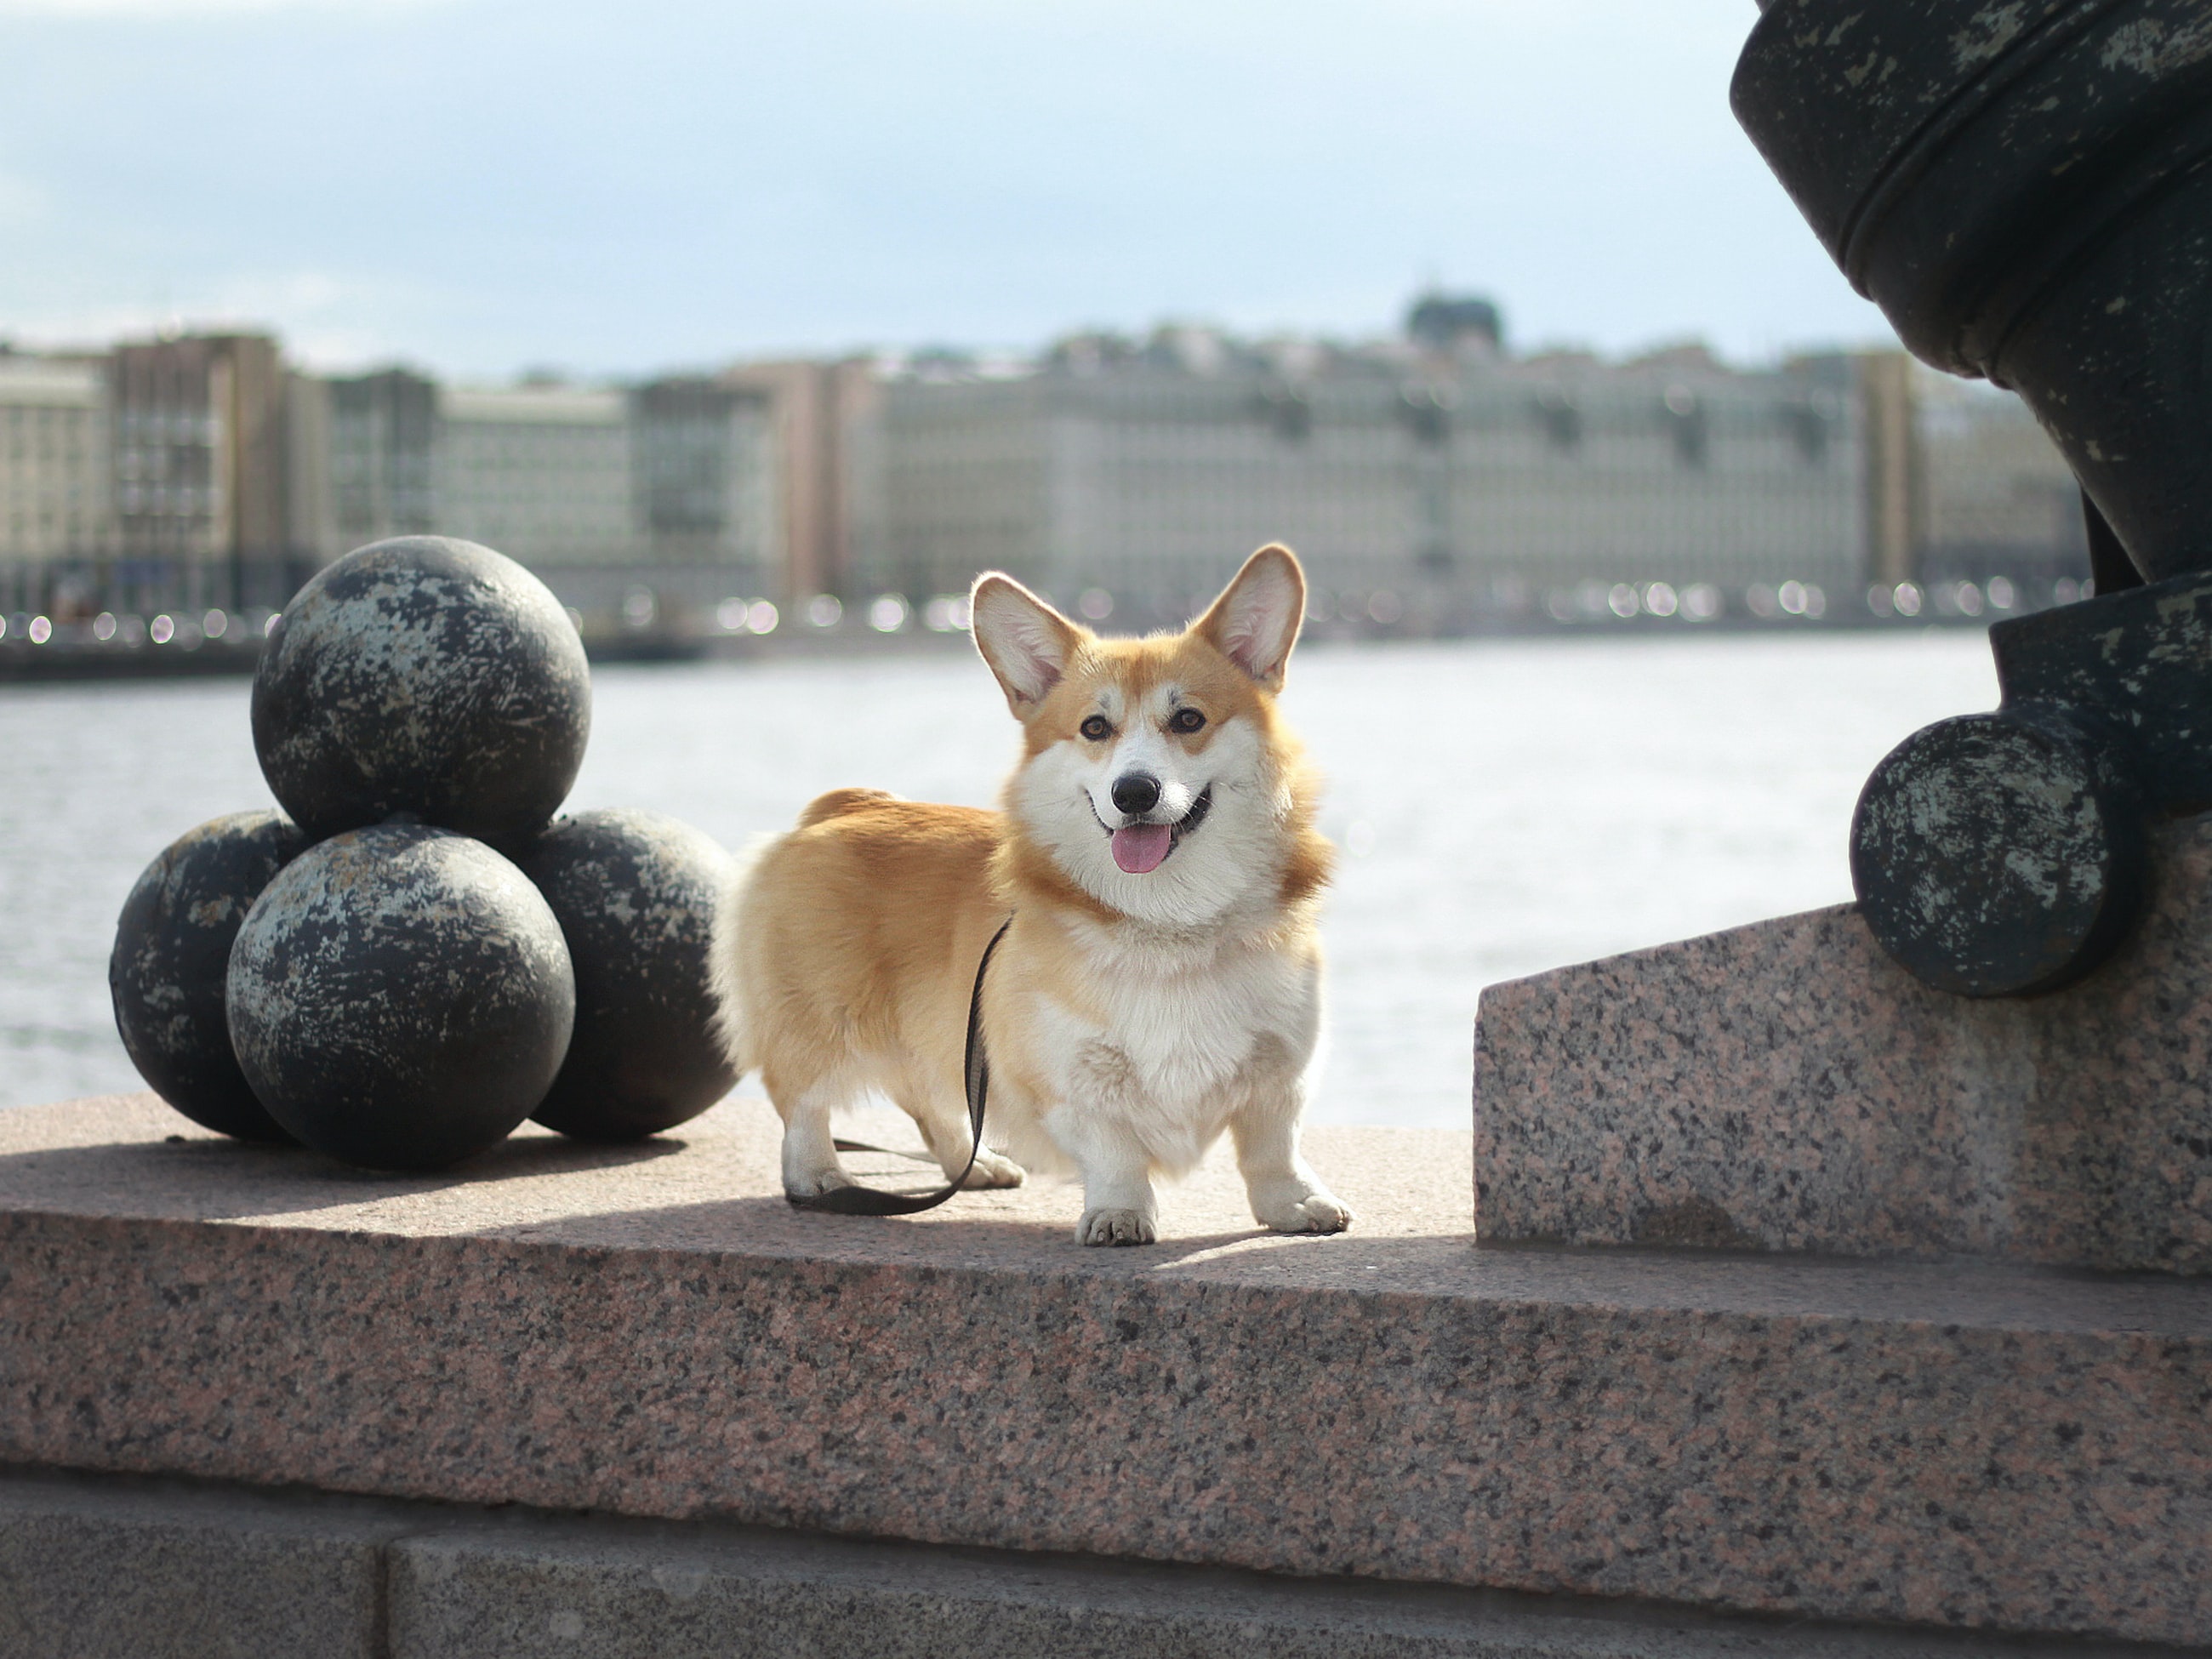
(975, 1078)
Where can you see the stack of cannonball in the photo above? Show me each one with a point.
(419, 956)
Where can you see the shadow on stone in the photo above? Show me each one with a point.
(1698, 1224)
(948, 1241)
(217, 1179)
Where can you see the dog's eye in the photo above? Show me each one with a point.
(1185, 719)
(1096, 729)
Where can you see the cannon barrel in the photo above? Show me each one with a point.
(2025, 190)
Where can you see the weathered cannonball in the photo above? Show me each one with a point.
(167, 971)
(400, 997)
(2000, 854)
(635, 894)
(426, 676)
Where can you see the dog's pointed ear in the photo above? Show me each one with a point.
(1256, 622)
(1027, 643)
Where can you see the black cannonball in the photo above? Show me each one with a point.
(426, 676)
(635, 894)
(171, 955)
(400, 997)
(2000, 854)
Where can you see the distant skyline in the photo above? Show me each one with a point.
(485, 186)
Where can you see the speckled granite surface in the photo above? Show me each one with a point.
(1785, 1086)
(653, 1332)
(106, 1567)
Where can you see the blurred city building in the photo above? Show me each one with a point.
(153, 476)
(822, 416)
(1433, 483)
(1439, 484)
(365, 460)
(637, 506)
(197, 431)
(57, 478)
(1988, 488)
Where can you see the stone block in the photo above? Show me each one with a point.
(459, 1582)
(651, 1331)
(1784, 1086)
(161, 1570)
(533, 1586)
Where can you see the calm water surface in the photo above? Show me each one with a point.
(1504, 808)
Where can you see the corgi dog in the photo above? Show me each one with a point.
(1159, 980)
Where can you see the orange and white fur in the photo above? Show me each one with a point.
(1162, 978)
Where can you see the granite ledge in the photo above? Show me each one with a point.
(652, 1332)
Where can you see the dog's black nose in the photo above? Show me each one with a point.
(1138, 792)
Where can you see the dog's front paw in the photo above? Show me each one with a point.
(1115, 1227)
(991, 1170)
(1317, 1211)
(812, 1183)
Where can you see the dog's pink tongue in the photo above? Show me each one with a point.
(1140, 847)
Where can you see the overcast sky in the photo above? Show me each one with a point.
(480, 186)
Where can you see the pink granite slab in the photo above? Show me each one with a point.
(652, 1331)
(1784, 1086)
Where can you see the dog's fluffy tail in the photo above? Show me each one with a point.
(726, 967)
(838, 802)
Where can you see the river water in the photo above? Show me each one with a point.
(1504, 808)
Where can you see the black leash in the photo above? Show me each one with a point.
(866, 1201)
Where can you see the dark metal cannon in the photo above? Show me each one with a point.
(2024, 189)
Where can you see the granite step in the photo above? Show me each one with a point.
(122, 1567)
(651, 1332)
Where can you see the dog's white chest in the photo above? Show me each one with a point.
(1172, 1044)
